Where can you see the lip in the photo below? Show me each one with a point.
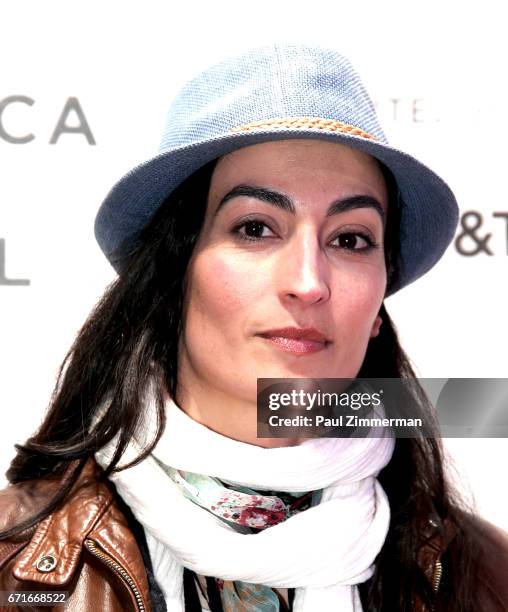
(297, 339)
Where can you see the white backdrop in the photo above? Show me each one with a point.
(436, 70)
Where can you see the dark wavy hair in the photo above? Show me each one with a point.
(131, 338)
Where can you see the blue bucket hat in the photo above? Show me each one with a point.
(271, 93)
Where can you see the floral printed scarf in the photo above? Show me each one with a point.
(251, 511)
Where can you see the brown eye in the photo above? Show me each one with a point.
(354, 241)
(252, 230)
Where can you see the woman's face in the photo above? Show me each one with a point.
(288, 274)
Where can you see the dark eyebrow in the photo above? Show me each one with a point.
(260, 193)
(357, 201)
(284, 202)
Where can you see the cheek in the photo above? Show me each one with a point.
(369, 294)
(220, 289)
(361, 295)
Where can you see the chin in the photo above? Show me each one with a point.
(305, 370)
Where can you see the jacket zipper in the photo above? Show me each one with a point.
(437, 575)
(95, 549)
(436, 579)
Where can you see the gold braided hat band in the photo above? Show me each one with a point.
(316, 123)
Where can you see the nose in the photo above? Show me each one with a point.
(303, 271)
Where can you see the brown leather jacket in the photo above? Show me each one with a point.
(88, 549)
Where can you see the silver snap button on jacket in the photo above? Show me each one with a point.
(47, 563)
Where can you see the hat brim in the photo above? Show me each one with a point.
(429, 211)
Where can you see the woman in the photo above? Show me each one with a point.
(261, 242)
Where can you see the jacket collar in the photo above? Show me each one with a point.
(90, 515)
(61, 535)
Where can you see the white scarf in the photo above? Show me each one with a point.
(323, 552)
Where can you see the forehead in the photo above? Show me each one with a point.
(304, 166)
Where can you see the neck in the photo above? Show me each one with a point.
(231, 417)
